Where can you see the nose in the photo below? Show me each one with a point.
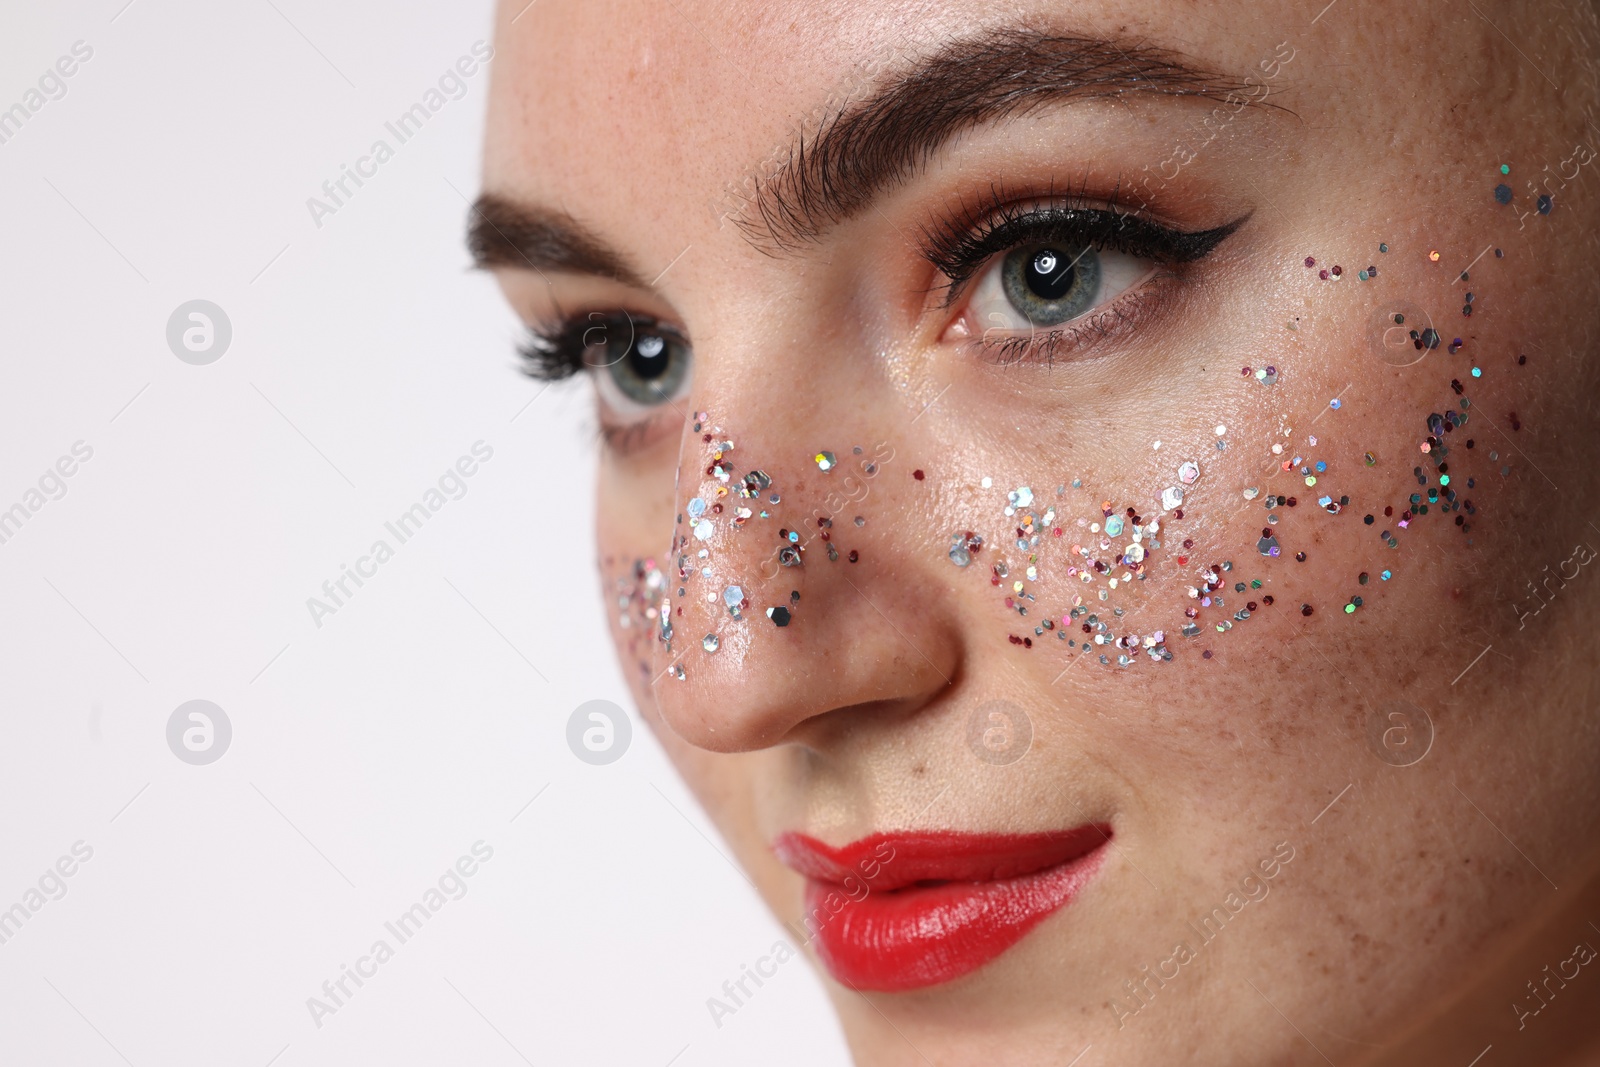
(799, 578)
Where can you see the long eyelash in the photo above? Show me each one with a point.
(551, 353)
(961, 243)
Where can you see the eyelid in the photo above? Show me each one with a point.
(555, 350)
(959, 245)
(626, 438)
(1116, 319)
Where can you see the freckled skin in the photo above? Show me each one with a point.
(1408, 923)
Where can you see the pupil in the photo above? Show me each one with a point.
(644, 358)
(1050, 275)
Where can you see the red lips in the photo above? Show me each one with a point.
(899, 911)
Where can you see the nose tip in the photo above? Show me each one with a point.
(775, 608)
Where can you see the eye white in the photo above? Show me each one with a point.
(624, 407)
(992, 312)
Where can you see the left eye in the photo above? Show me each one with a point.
(1045, 285)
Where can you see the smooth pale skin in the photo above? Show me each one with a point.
(1420, 904)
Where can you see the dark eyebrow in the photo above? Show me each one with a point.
(865, 146)
(503, 233)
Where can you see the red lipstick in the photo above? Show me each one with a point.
(899, 911)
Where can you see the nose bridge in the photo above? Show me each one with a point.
(775, 605)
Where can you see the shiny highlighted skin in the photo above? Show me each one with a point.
(924, 908)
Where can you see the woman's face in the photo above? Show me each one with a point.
(1097, 498)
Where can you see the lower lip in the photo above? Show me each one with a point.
(878, 924)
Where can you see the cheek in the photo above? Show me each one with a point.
(1315, 533)
(1328, 493)
(1167, 546)
(634, 591)
(633, 519)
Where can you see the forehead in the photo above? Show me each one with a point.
(595, 105)
(664, 113)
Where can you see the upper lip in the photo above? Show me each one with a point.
(933, 857)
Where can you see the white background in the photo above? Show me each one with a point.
(367, 754)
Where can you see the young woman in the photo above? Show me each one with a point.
(1099, 499)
